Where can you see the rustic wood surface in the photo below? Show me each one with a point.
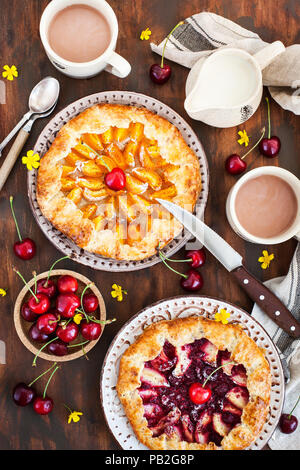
(77, 383)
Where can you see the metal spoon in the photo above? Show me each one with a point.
(42, 98)
(38, 102)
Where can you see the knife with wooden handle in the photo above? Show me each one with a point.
(233, 262)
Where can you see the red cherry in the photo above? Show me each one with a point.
(28, 314)
(25, 249)
(43, 406)
(288, 423)
(66, 304)
(40, 306)
(199, 394)
(90, 331)
(115, 179)
(198, 257)
(270, 147)
(90, 303)
(67, 333)
(160, 75)
(49, 289)
(193, 281)
(67, 284)
(47, 323)
(235, 165)
(58, 348)
(37, 335)
(23, 394)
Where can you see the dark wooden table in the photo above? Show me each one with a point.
(77, 383)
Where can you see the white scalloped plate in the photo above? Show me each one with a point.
(65, 244)
(169, 309)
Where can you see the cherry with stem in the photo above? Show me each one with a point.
(25, 248)
(270, 147)
(288, 423)
(191, 281)
(160, 74)
(24, 394)
(43, 405)
(38, 303)
(235, 164)
(48, 286)
(199, 393)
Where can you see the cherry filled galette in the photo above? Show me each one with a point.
(99, 181)
(195, 384)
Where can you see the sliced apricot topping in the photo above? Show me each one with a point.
(94, 196)
(75, 195)
(165, 193)
(90, 168)
(149, 176)
(105, 162)
(136, 131)
(94, 141)
(99, 222)
(84, 151)
(66, 170)
(115, 153)
(72, 158)
(130, 152)
(89, 210)
(90, 183)
(121, 134)
(67, 184)
(135, 186)
(108, 136)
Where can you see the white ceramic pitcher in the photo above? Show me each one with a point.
(225, 89)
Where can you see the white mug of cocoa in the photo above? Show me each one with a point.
(80, 36)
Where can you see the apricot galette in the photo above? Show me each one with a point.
(195, 384)
(114, 212)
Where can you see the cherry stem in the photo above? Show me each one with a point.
(257, 143)
(69, 409)
(174, 270)
(40, 350)
(14, 217)
(51, 269)
(46, 371)
(177, 260)
(220, 367)
(35, 283)
(167, 39)
(49, 380)
(94, 151)
(77, 345)
(83, 313)
(30, 290)
(289, 417)
(269, 117)
(102, 322)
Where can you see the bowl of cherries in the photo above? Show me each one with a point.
(59, 315)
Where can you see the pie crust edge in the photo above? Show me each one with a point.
(183, 331)
(69, 219)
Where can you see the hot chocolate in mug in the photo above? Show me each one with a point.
(225, 89)
(55, 38)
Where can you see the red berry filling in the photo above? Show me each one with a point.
(165, 385)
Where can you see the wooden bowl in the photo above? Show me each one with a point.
(23, 327)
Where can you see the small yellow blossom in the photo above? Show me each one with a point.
(118, 292)
(265, 259)
(145, 34)
(10, 72)
(74, 416)
(222, 316)
(244, 139)
(2, 292)
(32, 160)
(77, 318)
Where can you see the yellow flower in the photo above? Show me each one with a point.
(118, 292)
(244, 139)
(2, 292)
(74, 416)
(77, 318)
(10, 72)
(265, 259)
(145, 34)
(222, 316)
(31, 160)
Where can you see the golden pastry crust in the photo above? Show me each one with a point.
(181, 170)
(180, 332)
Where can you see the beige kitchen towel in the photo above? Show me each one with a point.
(203, 33)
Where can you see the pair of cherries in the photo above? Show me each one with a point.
(24, 395)
(269, 147)
(192, 280)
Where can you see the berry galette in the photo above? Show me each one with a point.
(99, 181)
(195, 384)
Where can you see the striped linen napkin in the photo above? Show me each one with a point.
(203, 33)
(288, 290)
